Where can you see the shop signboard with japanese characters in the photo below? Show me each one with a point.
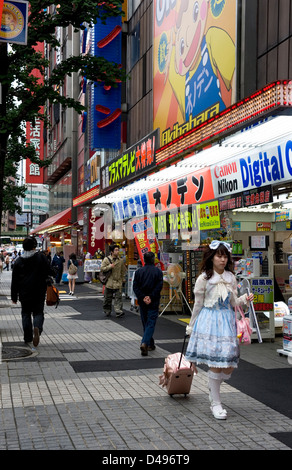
(134, 162)
(194, 188)
(35, 136)
(263, 290)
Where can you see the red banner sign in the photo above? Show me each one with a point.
(145, 239)
(189, 189)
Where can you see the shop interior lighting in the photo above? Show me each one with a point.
(240, 143)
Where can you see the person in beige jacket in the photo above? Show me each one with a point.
(114, 284)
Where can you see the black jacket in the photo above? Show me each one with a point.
(29, 277)
(148, 281)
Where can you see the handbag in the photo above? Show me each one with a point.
(104, 276)
(244, 330)
(52, 296)
(72, 268)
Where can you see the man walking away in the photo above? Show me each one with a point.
(29, 276)
(114, 284)
(147, 285)
(58, 265)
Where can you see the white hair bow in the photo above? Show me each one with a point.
(215, 243)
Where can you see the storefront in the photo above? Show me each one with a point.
(58, 234)
(231, 191)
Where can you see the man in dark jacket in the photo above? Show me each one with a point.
(58, 265)
(29, 276)
(147, 285)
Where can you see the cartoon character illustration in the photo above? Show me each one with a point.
(200, 61)
(8, 21)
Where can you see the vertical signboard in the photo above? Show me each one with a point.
(145, 238)
(106, 101)
(194, 63)
(35, 137)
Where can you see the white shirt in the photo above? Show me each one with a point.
(208, 292)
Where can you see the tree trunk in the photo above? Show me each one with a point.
(3, 136)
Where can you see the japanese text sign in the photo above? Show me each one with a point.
(131, 164)
(190, 189)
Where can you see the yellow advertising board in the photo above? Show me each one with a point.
(194, 63)
(208, 215)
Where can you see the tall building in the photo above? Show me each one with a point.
(36, 202)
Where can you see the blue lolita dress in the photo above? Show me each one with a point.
(212, 327)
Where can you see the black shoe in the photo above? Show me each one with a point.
(107, 314)
(151, 348)
(144, 349)
(36, 336)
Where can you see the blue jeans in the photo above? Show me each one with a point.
(148, 317)
(31, 310)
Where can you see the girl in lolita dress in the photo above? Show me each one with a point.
(212, 328)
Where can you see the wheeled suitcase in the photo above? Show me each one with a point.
(177, 374)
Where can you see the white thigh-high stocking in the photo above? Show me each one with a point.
(214, 386)
(215, 379)
(224, 376)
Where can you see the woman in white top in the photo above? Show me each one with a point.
(212, 327)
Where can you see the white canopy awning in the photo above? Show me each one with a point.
(263, 133)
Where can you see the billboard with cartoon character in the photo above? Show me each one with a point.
(194, 63)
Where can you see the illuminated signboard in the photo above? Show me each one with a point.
(137, 160)
(190, 189)
(253, 169)
(273, 97)
(35, 136)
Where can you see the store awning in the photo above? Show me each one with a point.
(241, 142)
(55, 223)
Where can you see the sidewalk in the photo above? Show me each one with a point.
(88, 388)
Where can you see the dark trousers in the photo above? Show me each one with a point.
(148, 317)
(109, 295)
(32, 314)
(59, 276)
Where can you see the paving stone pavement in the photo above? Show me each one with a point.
(48, 404)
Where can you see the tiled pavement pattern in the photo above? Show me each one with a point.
(49, 404)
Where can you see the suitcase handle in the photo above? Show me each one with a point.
(182, 351)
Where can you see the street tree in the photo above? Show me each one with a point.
(24, 95)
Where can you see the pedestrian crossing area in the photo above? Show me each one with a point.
(64, 295)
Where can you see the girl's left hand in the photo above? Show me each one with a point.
(250, 297)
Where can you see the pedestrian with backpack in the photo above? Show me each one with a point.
(72, 272)
(29, 285)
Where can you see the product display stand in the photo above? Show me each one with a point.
(180, 293)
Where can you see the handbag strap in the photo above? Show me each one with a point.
(239, 310)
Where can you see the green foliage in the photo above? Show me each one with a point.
(25, 95)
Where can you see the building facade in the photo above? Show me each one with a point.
(205, 122)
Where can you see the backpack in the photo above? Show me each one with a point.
(103, 277)
(52, 295)
(72, 268)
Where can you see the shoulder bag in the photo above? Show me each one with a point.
(104, 276)
(72, 268)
